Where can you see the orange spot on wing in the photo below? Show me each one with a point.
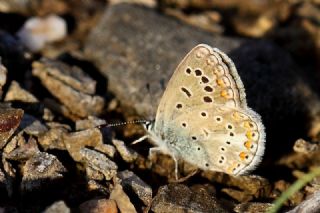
(248, 144)
(220, 82)
(243, 155)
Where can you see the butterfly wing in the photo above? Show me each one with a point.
(205, 80)
(219, 138)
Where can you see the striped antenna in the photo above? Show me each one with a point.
(125, 123)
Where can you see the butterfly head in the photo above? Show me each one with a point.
(148, 125)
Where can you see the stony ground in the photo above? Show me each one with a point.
(112, 65)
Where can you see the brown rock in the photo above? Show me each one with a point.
(9, 121)
(99, 206)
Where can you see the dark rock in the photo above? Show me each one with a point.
(134, 183)
(180, 198)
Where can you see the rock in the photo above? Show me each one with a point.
(60, 80)
(53, 138)
(37, 31)
(16, 93)
(99, 162)
(126, 153)
(56, 207)
(252, 207)
(91, 122)
(10, 119)
(134, 183)
(30, 7)
(243, 188)
(147, 57)
(75, 141)
(123, 201)
(302, 146)
(309, 205)
(97, 206)
(41, 171)
(180, 198)
(3, 77)
(24, 151)
(72, 76)
(22, 98)
(32, 126)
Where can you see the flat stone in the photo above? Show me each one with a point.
(99, 162)
(145, 58)
(41, 171)
(67, 89)
(138, 57)
(59, 206)
(132, 181)
(180, 198)
(75, 141)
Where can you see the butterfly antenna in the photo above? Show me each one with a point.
(125, 123)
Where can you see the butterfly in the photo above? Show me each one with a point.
(203, 117)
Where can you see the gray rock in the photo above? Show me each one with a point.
(135, 54)
(60, 80)
(59, 206)
(99, 162)
(41, 171)
(132, 181)
(180, 198)
(138, 57)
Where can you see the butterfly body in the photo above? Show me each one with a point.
(203, 117)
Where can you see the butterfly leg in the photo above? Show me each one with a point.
(176, 167)
(140, 139)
